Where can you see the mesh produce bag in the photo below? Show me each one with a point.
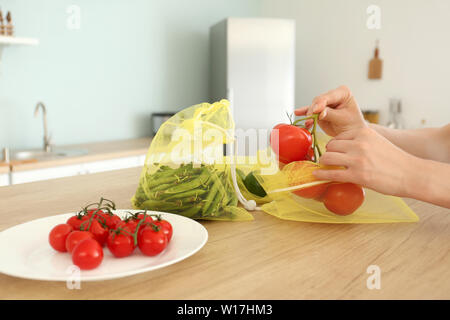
(186, 171)
(295, 194)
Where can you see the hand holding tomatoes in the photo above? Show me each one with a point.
(338, 111)
(370, 160)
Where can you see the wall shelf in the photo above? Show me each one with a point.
(6, 40)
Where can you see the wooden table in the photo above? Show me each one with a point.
(266, 258)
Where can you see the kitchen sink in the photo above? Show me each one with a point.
(42, 155)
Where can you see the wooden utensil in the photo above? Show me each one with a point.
(375, 65)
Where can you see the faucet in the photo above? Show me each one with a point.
(47, 141)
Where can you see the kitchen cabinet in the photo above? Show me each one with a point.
(113, 164)
(4, 179)
(76, 169)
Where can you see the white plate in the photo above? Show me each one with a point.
(26, 253)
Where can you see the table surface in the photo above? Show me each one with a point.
(267, 258)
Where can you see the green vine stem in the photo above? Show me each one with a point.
(315, 145)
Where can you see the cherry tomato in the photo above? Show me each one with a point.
(75, 237)
(90, 212)
(76, 221)
(95, 227)
(57, 236)
(100, 233)
(151, 242)
(87, 254)
(314, 192)
(120, 244)
(292, 144)
(110, 219)
(166, 228)
(148, 220)
(343, 198)
(129, 224)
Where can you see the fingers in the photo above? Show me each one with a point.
(347, 135)
(335, 159)
(333, 175)
(331, 115)
(331, 98)
(337, 96)
(301, 111)
(341, 146)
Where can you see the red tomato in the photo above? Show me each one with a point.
(58, 235)
(314, 192)
(151, 242)
(90, 212)
(343, 198)
(87, 254)
(166, 228)
(94, 226)
(120, 244)
(129, 225)
(310, 155)
(76, 221)
(110, 219)
(148, 220)
(100, 233)
(292, 144)
(75, 237)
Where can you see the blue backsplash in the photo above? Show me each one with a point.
(102, 81)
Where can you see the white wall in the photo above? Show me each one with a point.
(102, 81)
(334, 47)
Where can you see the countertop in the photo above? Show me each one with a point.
(4, 168)
(95, 152)
(266, 258)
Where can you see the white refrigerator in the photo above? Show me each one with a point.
(252, 63)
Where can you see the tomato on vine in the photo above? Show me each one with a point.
(75, 237)
(87, 254)
(120, 243)
(58, 235)
(151, 240)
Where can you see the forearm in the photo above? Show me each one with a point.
(428, 181)
(428, 143)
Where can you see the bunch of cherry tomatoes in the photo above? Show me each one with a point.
(85, 234)
(293, 142)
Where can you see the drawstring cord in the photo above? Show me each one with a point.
(248, 204)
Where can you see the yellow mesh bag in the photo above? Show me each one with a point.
(296, 178)
(186, 172)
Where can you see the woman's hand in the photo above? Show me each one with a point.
(370, 160)
(339, 111)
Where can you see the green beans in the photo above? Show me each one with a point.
(187, 194)
(194, 191)
(192, 184)
(214, 189)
